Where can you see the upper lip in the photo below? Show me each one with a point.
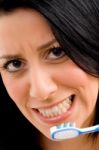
(49, 106)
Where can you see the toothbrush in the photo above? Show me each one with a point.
(68, 130)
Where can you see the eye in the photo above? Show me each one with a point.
(55, 53)
(13, 65)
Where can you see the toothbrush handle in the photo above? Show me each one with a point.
(90, 129)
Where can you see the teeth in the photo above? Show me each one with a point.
(57, 110)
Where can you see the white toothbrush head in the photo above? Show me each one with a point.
(63, 132)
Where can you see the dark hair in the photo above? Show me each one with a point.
(75, 24)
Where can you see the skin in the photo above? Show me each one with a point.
(42, 79)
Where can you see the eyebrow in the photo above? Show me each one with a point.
(10, 56)
(44, 46)
(48, 44)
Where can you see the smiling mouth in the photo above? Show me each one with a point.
(58, 109)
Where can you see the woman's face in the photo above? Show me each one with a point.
(46, 85)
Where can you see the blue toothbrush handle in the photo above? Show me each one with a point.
(89, 130)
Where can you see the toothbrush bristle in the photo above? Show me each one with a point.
(69, 124)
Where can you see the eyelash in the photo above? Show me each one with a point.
(12, 63)
(15, 65)
(58, 51)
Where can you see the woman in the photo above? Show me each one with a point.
(49, 65)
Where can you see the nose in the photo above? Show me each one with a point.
(42, 86)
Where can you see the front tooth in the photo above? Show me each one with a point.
(44, 113)
(47, 113)
(64, 103)
(64, 110)
(41, 111)
(68, 101)
(60, 105)
(60, 112)
(67, 106)
(55, 110)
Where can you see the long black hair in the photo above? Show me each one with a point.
(75, 24)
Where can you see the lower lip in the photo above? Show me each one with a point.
(57, 119)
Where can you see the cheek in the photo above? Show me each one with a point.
(71, 75)
(14, 89)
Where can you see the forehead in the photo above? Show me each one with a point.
(22, 18)
(24, 26)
